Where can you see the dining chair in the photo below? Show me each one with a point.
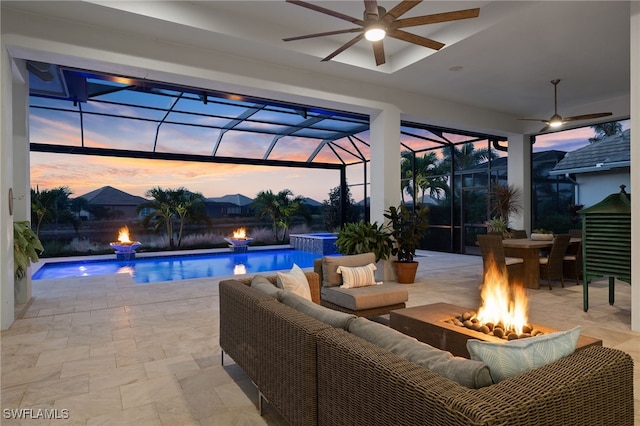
(519, 233)
(575, 233)
(573, 261)
(491, 248)
(551, 266)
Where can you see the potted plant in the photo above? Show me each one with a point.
(407, 227)
(498, 225)
(542, 234)
(363, 237)
(26, 246)
(505, 200)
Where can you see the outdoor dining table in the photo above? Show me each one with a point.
(529, 251)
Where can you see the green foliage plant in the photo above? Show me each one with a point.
(26, 246)
(505, 200)
(498, 225)
(364, 237)
(407, 227)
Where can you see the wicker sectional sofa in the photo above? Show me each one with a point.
(315, 372)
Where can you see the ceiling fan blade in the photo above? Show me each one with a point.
(533, 119)
(399, 10)
(437, 17)
(328, 33)
(415, 39)
(371, 9)
(545, 128)
(344, 47)
(588, 116)
(327, 11)
(378, 52)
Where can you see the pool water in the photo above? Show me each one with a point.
(181, 267)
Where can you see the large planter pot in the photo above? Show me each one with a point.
(406, 271)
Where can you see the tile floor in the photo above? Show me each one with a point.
(111, 352)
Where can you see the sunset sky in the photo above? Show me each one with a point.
(83, 174)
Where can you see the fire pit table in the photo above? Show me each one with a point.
(427, 324)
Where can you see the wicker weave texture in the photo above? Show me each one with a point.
(361, 384)
(237, 324)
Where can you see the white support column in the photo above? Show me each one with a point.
(21, 175)
(6, 183)
(519, 172)
(635, 164)
(385, 162)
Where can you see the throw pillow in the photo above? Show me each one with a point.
(294, 281)
(262, 283)
(518, 356)
(330, 277)
(357, 276)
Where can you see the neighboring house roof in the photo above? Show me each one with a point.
(311, 202)
(236, 199)
(609, 153)
(108, 195)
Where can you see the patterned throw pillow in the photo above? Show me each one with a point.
(294, 281)
(518, 356)
(357, 276)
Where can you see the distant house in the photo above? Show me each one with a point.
(228, 205)
(598, 168)
(111, 203)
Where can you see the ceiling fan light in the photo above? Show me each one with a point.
(375, 32)
(556, 121)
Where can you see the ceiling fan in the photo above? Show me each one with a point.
(556, 120)
(378, 23)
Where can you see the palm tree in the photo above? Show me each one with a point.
(604, 130)
(281, 208)
(429, 175)
(162, 207)
(189, 205)
(467, 156)
(52, 206)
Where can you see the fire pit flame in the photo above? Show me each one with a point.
(239, 241)
(502, 303)
(504, 309)
(124, 247)
(240, 234)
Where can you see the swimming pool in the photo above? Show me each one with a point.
(181, 267)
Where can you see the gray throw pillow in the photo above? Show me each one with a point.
(263, 284)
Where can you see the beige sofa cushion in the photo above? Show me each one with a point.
(369, 297)
(330, 276)
(470, 373)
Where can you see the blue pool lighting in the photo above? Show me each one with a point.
(181, 267)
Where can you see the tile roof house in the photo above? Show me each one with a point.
(598, 168)
(112, 203)
(228, 205)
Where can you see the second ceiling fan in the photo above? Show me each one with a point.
(378, 23)
(556, 120)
